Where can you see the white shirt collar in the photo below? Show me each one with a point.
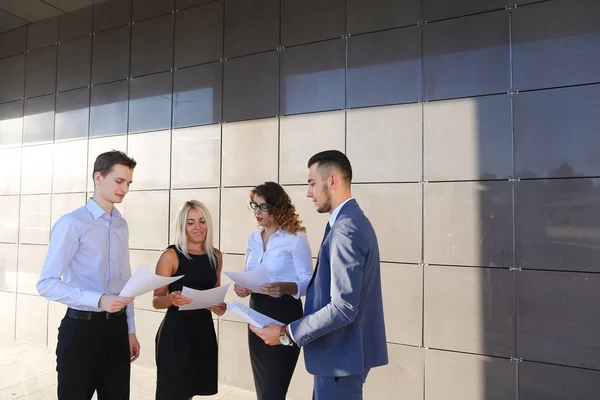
(257, 234)
(335, 212)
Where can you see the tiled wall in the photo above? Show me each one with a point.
(473, 128)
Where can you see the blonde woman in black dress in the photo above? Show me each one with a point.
(186, 343)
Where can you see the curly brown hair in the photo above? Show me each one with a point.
(282, 209)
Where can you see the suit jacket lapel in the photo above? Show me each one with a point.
(327, 230)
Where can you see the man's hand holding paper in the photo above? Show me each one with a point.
(251, 316)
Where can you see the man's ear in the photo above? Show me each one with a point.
(335, 180)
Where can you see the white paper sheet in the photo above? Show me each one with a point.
(251, 316)
(250, 279)
(203, 298)
(143, 281)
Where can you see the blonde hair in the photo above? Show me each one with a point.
(180, 239)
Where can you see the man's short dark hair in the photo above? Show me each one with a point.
(106, 161)
(333, 158)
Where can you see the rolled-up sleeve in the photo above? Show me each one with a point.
(64, 241)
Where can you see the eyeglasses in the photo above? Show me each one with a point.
(263, 207)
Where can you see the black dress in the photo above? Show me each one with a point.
(186, 343)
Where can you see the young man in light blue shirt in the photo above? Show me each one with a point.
(86, 267)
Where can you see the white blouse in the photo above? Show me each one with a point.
(287, 259)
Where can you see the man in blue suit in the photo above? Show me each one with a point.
(343, 331)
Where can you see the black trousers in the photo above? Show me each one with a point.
(93, 355)
(273, 366)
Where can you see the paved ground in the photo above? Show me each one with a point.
(28, 372)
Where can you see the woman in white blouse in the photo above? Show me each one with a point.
(280, 245)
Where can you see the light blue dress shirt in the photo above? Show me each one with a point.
(88, 256)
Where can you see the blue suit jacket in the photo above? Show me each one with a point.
(343, 331)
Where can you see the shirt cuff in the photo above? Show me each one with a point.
(91, 299)
(289, 329)
(130, 318)
(130, 326)
(298, 294)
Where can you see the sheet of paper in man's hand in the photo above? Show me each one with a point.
(203, 298)
(143, 281)
(250, 279)
(251, 316)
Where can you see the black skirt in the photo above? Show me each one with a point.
(273, 366)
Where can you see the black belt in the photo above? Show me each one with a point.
(90, 315)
